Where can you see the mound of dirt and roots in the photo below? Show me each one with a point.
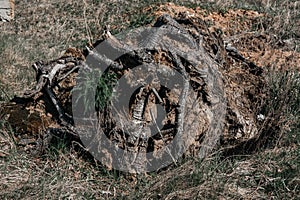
(221, 87)
(211, 95)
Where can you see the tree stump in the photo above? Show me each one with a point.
(142, 100)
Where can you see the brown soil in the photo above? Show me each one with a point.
(238, 28)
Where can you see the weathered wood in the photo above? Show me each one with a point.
(7, 10)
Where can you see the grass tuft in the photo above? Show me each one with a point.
(281, 109)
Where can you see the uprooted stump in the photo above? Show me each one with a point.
(155, 93)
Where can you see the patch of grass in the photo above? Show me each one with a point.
(277, 171)
(60, 173)
(14, 66)
(281, 109)
(104, 92)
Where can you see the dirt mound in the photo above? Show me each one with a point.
(239, 28)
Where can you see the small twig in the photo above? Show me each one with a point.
(182, 101)
(53, 72)
(168, 150)
(157, 95)
(103, 58)
(68, 73)
(61, 114)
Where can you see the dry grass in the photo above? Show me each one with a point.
(42, 30)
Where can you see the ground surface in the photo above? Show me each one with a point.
(266, 32)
